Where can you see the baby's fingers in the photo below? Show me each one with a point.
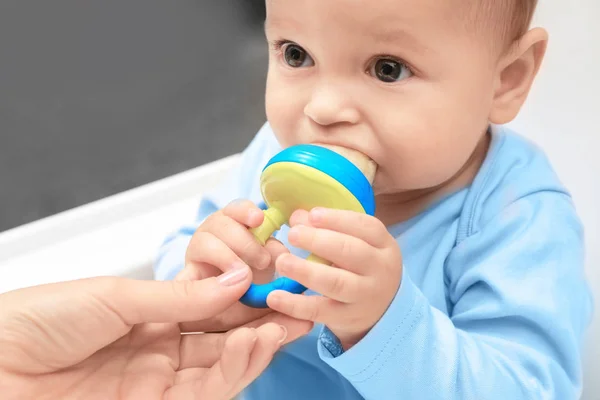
(236, 236)
(275, 249)
(335, 283)
(310, 308)
(245, 212)
(205, 253)
(300, 217)
(345, 251)
(362, 226)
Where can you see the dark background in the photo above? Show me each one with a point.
(97, 97)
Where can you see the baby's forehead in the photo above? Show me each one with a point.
(506, 19)
(502, 15)
(484, 21)
(359, 15)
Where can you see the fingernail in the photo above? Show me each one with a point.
(317, 213)
(284, 334)
(234, 276)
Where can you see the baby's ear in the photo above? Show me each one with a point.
(517, 70)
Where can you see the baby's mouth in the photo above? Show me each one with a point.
(365, 164)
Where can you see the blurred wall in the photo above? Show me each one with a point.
(562, 116)
(97, 97)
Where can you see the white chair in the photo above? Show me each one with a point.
(118, 235)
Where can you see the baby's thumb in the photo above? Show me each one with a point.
(175, 301)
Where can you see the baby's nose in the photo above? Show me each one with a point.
(329, 106)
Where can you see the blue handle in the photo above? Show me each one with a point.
(256, 296)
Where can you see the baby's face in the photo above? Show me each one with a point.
(400, 80)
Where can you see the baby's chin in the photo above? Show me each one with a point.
(386, 185)
(383, 187)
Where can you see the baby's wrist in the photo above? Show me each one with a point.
(348, 340)
(350, 343)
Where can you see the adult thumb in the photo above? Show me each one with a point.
(174, 301)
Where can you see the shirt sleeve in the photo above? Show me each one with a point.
(242, 183)
(519, 307)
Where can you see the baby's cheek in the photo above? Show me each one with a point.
(437, 143)
(284, 115)
(427, 157)
(411, 159)
(274, 106)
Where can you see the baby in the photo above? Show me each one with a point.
(468, 283)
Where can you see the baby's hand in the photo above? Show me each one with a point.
(224, 241)
(357, 289)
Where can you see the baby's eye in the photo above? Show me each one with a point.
(296, 57)
(389, 70)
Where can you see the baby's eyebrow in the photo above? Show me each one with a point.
(382, 34)
(272, 23)
(398, 35)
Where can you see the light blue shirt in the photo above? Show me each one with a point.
(493, 302)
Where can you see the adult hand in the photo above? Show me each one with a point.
(114, 338)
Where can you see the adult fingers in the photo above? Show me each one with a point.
(235, 316)
(203, 350)
(246, 353)
(137, 302)
(217, 382)
(270, 339)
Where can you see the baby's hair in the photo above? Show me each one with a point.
(509, 20)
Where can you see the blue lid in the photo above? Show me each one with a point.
(334, 165)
